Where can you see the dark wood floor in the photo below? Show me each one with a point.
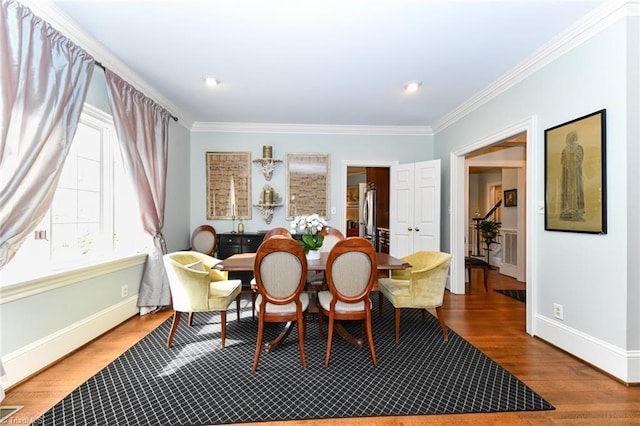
(490, 321)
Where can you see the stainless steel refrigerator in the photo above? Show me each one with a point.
(368, 214)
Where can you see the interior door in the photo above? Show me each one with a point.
(414, 210)
(401, 209)
(427, 206)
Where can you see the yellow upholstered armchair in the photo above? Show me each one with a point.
(421, 286)
(197, 287)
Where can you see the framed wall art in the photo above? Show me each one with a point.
(228, 185)
(510, 198)
(575, 175)
(307, 189)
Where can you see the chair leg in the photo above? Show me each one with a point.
(301, 329)
(174, 326)
(329, 340)
(424, 314)
(372, 349)
(445, 334)
(380, 302)
(190, 320)
(256, 357)
(238, 306)
(320, 315)
(253, 304)
(397, 315)
(223, 324)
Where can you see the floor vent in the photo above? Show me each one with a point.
(510, 244)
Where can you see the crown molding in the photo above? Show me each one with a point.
(322, 129)
(47, 11)
(590, 25)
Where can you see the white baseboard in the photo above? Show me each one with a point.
(30, 359)
(619, 363)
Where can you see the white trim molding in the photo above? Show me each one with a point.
(622, 364)
(21, 290)
(27, 361)
(320, 129)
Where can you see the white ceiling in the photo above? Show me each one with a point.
(321, 62)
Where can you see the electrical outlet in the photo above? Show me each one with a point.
(558, 311)
(333, 210)
(124, 291)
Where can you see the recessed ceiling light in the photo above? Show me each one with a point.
(412, 86)
(211, 81)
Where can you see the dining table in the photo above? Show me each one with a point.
(243, 262)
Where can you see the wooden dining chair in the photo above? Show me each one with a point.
(277, 231)
(331, 237)
(271, 233)
(280, 270)
(204, 239)
(351, 273)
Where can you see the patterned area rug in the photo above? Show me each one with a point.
(197, 383)
(519, 295)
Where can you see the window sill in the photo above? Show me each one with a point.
(34, 286)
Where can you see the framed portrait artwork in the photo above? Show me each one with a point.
(510, 198)
(575, 175)
(228, 185)
(307, 184)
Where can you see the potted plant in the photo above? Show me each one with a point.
(311, 240)
(489, 229)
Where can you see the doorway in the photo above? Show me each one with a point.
(459, 209)
(355, 172)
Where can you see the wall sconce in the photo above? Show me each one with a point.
(267, 163)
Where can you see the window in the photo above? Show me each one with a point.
(94, 216)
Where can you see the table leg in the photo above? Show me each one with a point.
(346, 335)
(272, 345)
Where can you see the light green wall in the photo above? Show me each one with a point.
(633, 189)
(176, 228)
(404, 149)
(30, 319)
(587, 274)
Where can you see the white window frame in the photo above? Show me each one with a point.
(61, 274)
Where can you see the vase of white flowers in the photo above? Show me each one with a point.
(309, 226)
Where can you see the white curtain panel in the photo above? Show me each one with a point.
(43, 83)
(142, 128)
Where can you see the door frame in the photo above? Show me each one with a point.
(343, 186)
(458, 196)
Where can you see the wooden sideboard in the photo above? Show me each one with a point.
(230, 244)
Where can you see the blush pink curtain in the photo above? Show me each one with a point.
(43, 83)
(142, 128)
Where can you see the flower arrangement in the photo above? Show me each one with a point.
(309, 226)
